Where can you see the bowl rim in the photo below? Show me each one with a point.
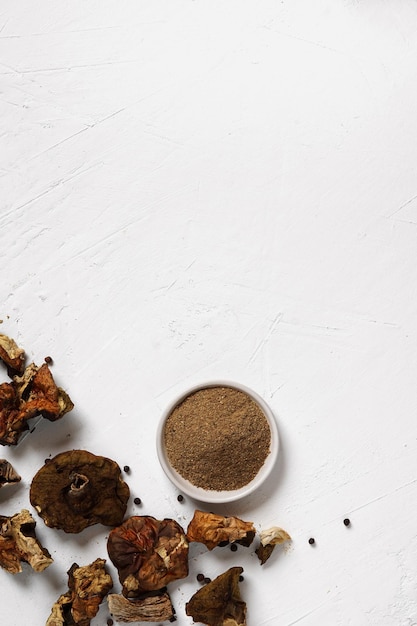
(208, 495)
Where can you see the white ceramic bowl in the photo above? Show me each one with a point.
(208, 495)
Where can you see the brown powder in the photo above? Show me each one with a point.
(217, 438)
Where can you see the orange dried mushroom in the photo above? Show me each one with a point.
(212, 530)
(29, 395)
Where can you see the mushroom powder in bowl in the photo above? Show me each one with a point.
(218, 442)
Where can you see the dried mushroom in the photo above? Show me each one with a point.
(212, 530)
(151, 608)
(77, 489)
(18, 543)
(87, 587)
(268, 540)
(219, 603)
(8, 474)
(29, 395)
(12, 355)
(148, 553)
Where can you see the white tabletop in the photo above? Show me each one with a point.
(194, 191)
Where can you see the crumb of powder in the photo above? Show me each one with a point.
(217, 438)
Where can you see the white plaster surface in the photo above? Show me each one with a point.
(195, 190)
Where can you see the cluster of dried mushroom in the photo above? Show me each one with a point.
(77, 489)
(150, 553)
(31, 392)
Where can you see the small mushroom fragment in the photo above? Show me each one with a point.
(77, 489)
(148, 553)
(150, 608)
(268, 540)
(219, 603)
(8, 474)
(31, 394)
(212, 530)
(18, 543)
(12, 355)
(87, 587)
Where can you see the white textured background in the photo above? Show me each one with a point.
(194, 190)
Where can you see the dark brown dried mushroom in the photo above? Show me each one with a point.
(219, 603)
(150, 608)
(29, 395)
(18, 543)
(148, 553)
(12, 355)
(77, 489)
(268, 540)
(8, 474)
(87, 587)
(212, 530)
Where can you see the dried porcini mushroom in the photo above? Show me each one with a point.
(8, 474)
(29, 395)
(18, 543)
(12, 355)
(219, 603)
(212, 530)
(268, 540)
(87, 587)
(77, 489)
(150, 608)
(148, 553)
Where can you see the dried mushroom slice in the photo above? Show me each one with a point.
(268, 540)
(148, 553)
(77, 489)
(150, 608)
(219, 603)
(18, 543)
(12, 355)
(8, 474)
(87, 586)
(29, 395)
(212, 530)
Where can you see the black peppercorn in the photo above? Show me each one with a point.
(48, 359)
(241, 579)
(207, 580)
(137, 501)
(346, 521)
(200, 578)
(233, 547)
(173, 619)
(223, 543)
(180, 498)
(126, 469)
(311, 541)
(110, 622)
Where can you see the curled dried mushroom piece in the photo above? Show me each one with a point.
(212, 530)
(219, 603)
(18, 543)
(151, 608)
(87, 587)
(148, 553)
(268, 540)
(12, 355)
(8, 474)
(29, 395)
(77, 489)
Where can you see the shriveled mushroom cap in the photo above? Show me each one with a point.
(148, 553)
(76, 489)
